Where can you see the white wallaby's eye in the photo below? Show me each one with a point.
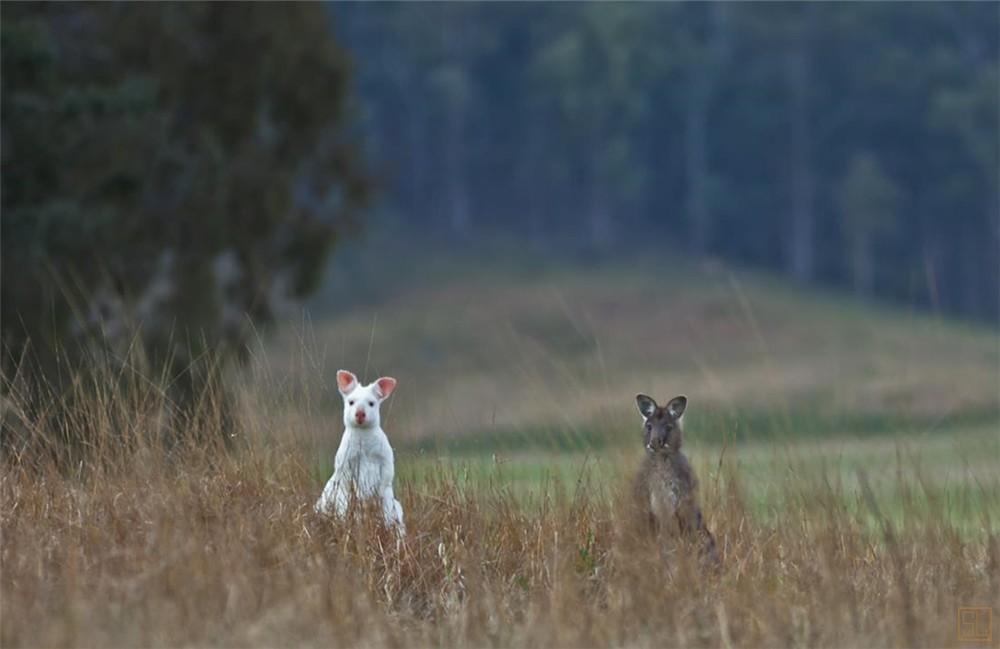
(351, 402)
(371, 403)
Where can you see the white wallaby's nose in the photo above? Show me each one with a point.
(359, 416)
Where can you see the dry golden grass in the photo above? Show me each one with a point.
(196, 545)
(130, 541)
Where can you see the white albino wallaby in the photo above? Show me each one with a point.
(364, 466)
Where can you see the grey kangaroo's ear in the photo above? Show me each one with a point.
(676, 406)
(646, 405)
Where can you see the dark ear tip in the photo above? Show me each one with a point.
(645, 404)
(678, 405)
(639, 398)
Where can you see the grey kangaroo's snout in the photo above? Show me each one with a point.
(657, 445)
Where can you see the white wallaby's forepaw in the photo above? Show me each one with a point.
(396, 518)
(323, 504)
(332, 500)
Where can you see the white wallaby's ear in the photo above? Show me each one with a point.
(646, 405)
(346, 381)
(384, 386)
(676, 406)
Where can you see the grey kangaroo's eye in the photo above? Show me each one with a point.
(371, 403)
(351, 402)
(649, 427)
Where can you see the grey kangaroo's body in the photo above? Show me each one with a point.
(666, 487)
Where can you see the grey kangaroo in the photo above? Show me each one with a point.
(666, 488)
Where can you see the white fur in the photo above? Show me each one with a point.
(364, 466)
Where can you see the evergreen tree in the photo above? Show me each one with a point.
(172, 171)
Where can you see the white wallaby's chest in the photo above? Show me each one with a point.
(364, 459)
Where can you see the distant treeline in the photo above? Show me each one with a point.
(850, 144)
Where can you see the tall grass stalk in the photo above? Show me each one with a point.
(142, 538)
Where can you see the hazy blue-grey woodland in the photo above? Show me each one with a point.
(846, 144)
(185, 167)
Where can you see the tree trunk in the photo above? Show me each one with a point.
(932, 270)
(599, 218)
(863, 266)
(699, 218)
(970, 297)
(701, 89)
(993, 259)
(417, 141)
(529, 173)
(801, 253)
(599, 221)
(458, 198)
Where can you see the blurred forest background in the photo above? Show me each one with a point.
(846, 144)
(184, 170)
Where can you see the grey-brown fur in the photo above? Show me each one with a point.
(666, 488)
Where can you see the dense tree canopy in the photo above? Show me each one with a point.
(844, 143)
(171, 169)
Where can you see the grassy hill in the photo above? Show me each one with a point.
(516, 363)
(503, 343)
